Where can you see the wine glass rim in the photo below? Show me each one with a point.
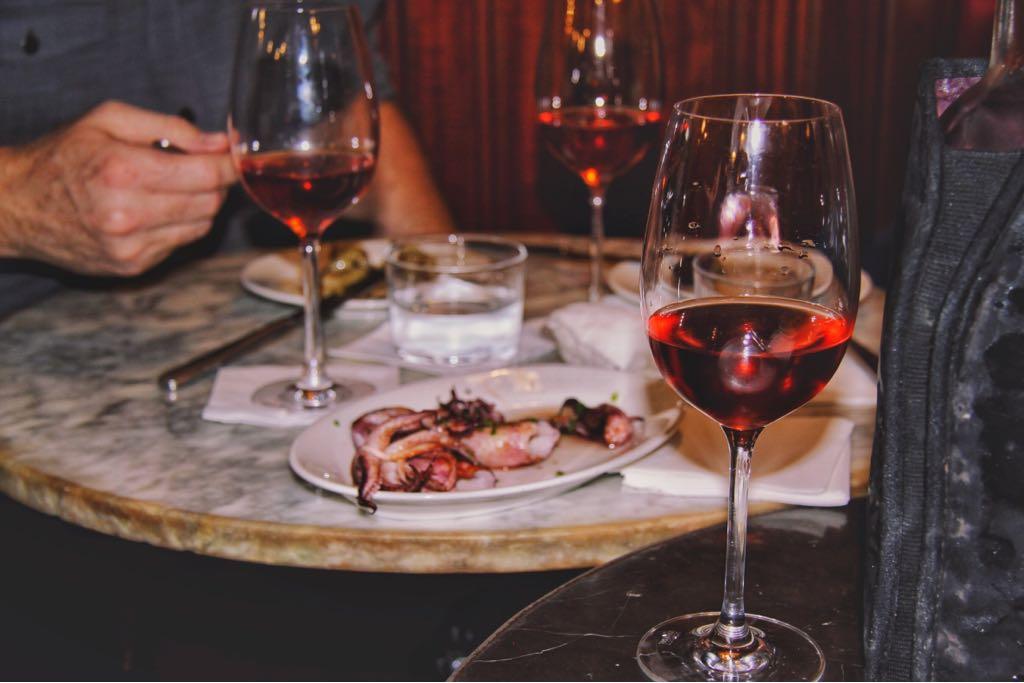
(517, 256)
(829, 109)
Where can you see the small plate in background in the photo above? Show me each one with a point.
(624, 279)
(277, 277)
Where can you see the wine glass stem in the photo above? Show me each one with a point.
(596, 241)
(731, 629)
(314, 373)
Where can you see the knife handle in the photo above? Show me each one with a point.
(180, 375)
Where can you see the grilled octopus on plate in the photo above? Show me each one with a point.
(604, 423)
(398, 449)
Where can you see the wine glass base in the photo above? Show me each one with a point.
(286, 394)
(681, 649)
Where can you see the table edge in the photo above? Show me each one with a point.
(365, 550)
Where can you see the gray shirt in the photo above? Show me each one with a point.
(60, 58)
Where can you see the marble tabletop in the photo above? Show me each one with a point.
(86, 435)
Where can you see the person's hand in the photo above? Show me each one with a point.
(96, 197)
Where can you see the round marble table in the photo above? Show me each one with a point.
(86, 435)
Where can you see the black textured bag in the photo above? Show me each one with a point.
(944, 593)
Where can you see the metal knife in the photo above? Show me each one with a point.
(180, 375)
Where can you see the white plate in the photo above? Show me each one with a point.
(274, 277)
(624, 279)
(323, 453)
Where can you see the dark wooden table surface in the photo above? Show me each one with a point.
(803, 566)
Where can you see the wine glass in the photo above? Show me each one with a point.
(304, 131)
(989, 115)
(749, 292)
(599, 96)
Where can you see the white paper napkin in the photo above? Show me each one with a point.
(231, 398)
(605, 334)
(377, 346)
(797, 460)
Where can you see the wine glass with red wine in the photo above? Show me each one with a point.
(304, 133)
(750, 282)
(599, 95)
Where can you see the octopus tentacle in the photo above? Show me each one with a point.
(605, 423)
(383, 434)
(619, 428)
(366, 473)
(417, 443)
(439, 467)
(365, 424)
(398, 475)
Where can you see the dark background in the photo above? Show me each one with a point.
(78, 605)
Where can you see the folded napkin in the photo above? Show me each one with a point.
(231, 398)
(377, 346)
(797, 460)
(605, 334)
(610, 334)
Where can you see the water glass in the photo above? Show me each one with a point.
(753, 272)
(456, 300)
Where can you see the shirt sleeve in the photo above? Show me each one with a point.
(373, 24)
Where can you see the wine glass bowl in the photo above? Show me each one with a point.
(599, 91)
(304, 132)
(598, 143)
(749, 290)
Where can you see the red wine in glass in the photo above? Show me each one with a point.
(304, 130)
(306, 191)
(599, 92)
(747, 361)
(599, 143)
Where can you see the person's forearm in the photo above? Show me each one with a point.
(403, 199)
(6, 215)
(10, 220)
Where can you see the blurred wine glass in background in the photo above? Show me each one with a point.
(989, 115)
(599, 96)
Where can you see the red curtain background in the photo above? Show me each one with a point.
(465, 75)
